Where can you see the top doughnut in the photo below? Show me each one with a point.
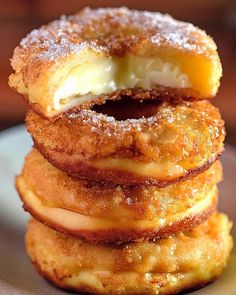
(105, 53)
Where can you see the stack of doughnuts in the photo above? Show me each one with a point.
(122, 180)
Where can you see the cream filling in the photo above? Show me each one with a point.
(75, 221)
(86, 80)
(164, 170)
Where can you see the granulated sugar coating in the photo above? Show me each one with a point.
(176, 141)
(100, 54)
(114, 31)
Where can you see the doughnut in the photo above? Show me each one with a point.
(168, 143)
(113, 213)
(180, 262)
(99, 54)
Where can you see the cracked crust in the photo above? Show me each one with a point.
(187, 138)
(166, 266)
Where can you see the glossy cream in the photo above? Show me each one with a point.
(75, 221)
(88, 79)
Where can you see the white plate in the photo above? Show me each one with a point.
(17, 275)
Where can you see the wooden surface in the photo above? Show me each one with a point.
(18, 17)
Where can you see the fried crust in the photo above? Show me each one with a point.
(82, 171)
(158, 94)
(125, 235)
(46, 54)
(115, 213)
(104, 200)
(166, 266)
(188, 136)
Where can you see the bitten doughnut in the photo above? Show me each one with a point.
(113, 213)
(100, 54)
(168, 143)
(167, 266)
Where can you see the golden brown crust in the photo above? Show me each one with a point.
(112, 213)
(104, 200)
(125, 235)
(166, 266)
(82, 171)
(111, 32)
(159, 93)
(190, 134)
(159, 279)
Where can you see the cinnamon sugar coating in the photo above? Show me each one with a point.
(179, 140)
(113, 31)
(46, 56)
(166, 266)
(137, 213)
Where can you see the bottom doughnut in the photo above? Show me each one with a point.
(166, 266)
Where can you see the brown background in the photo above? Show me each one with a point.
(218, 17)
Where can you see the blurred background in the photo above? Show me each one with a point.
(217, 17)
